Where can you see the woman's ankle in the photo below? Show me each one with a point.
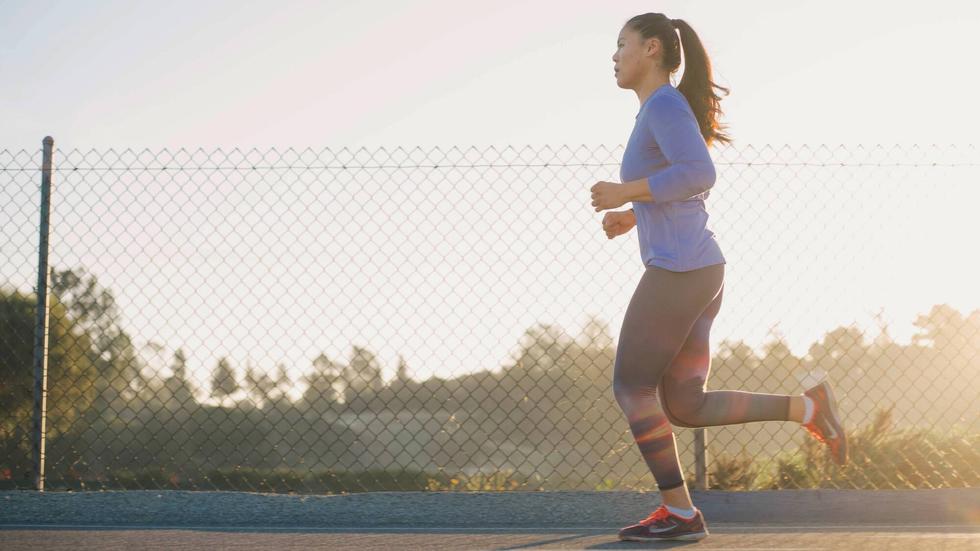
(801, 408)
(797, 408)
(678, 498)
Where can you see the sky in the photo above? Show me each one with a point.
(276, 74)
(220, 74)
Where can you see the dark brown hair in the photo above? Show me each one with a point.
(696, 84)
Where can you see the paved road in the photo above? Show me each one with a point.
(723, 536)
(765, 520)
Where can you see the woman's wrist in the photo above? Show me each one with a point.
(636, 190)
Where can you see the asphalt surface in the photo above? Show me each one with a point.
(766, 520)
(743, 537)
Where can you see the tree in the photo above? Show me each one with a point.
(260, 385)
(93, 309)
(362, 374)
(779, 366)
(223, 383)
(283, 384)
(401, 373)
(323, 383)
(178, 391)
(71, 380)
(542, 347)
(840, 353)
(944, 328)
(595, 334)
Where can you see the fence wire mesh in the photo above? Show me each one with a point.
(446, 318)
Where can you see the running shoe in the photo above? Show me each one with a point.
(825, 424)
(664, 525)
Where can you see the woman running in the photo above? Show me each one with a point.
(662, 358)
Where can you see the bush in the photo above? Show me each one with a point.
(880, 457)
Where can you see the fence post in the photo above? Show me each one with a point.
(41, 327)
(700, 459)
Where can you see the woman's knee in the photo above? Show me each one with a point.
(629, 396)
(643, 400)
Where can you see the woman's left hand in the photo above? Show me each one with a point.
(607, 195)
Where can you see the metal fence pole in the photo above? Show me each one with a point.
(700, 459)
(41, 329)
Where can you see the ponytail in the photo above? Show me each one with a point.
(696, 84)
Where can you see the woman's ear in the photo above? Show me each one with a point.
(653, 46)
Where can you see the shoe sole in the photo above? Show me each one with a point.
(684, 537)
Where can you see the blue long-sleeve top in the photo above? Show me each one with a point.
(667, 149)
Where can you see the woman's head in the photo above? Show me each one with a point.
(649, 43)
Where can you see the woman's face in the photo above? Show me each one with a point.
(633, 58)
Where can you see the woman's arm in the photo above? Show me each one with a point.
(691, 171)
(637, 190)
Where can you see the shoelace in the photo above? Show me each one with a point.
(660, 513)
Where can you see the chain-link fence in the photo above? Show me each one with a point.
(338, 320)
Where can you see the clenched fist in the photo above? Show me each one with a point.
(617, 223)
(608, 195)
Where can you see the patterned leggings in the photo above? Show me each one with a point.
(664, 345)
